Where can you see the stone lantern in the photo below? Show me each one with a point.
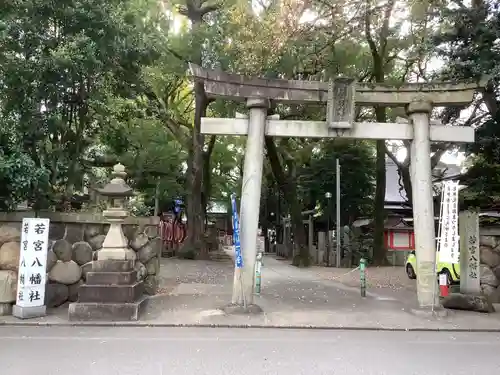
(112, 291)
(115, 245)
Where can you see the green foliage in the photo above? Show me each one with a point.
(483, 181)
(483, 176)
(138, 207)
(226, 161)
(85, 80)
(487, 144)
(60, 62)
(357, 161)
(140, 141)
(20, 179)
(468, 41)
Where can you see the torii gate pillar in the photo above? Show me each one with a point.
(423, 209)
(250, 202)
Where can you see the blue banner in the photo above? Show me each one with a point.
(236, 233)
(177, 205)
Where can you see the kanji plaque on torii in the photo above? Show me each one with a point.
(340, 103)
(341, 96)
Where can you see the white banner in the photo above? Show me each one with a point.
(448, 244)
(32, 262)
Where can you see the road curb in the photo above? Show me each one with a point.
(241, 326)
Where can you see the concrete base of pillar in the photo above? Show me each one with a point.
(240, 309)
(30, 312)
(112, 293)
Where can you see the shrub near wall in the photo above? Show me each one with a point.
(75, 240)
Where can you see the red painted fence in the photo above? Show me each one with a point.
(173, 233)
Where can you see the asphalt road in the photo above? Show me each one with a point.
(199, 351)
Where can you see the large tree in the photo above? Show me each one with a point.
(197, 12)
(468, 43)
(60, 63)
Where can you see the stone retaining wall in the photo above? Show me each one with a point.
(75, 240)
(489, 242)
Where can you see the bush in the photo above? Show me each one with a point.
(21, 179)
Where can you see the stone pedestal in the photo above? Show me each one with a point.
(29, 312)
(112, 293)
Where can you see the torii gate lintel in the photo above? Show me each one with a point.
(219, 84)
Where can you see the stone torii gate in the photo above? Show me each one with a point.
(341, 96)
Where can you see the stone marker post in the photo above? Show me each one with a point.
(346, 241)
(30, 299)
(310, 237)
(321, 247)
(468, 223)
(112, 292)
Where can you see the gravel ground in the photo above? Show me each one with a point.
(376, 277)
(388, 281)
(174, 271)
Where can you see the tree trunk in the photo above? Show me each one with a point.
(379, 250)
(404, 174)
(300, 247)
(207, 183)
(404, 169)
(289, 188)
(404, 181)
(194, 244)
(379, 54)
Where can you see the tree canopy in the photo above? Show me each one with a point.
(85, 84)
